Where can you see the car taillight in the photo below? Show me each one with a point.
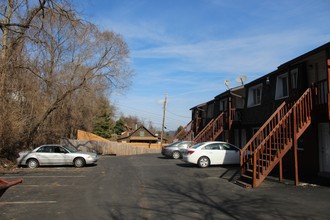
(190, 152)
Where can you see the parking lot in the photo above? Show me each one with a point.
(152, 187)
(43, 191)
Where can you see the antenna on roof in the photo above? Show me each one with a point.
(227, 83)
(241, 79)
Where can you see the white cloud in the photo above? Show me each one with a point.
(191, 67)
(252, 53)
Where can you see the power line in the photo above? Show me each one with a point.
(153, 117)
(177, 114)
(139, 110)
(157, 115)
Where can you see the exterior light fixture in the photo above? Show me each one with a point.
(267, 80)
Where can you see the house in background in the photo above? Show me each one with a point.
(281, 120)
(140, 135)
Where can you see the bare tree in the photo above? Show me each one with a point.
(56, 68)
(14, 22)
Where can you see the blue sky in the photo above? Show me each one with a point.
(186, 49)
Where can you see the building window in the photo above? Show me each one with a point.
(282, 86)
(254, 97)
(141, 133)
(294, 78)
(210, 111)
(223, 105)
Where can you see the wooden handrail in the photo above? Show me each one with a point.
(272, 121)
(261, 134)
(302, 107)
(184, 132)
(203, 131)
(208, 132)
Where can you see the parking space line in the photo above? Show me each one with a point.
(28, 202)
(44, 177)
(51, 185)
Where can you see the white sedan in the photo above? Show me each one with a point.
(54, 154)
(212, 153)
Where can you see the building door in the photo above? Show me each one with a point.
(324, 147)
(243, 138)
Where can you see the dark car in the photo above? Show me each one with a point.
(174, 150)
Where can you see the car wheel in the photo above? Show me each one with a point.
(176, 155)
(203, 162)
(79, 162)
(32, 163)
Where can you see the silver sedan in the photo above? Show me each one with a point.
(54, 154)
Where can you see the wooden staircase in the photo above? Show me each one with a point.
(274, 139)
(212, 130)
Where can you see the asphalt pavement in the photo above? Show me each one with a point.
(153, 187)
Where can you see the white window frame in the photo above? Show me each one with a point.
(253, 99)
(280, 87)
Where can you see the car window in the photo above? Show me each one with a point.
(59, 149)
(173, 144)
(214, 146)
(46, 149)
(184, 144)
(197, 145)
(226, 146)
(71, 149)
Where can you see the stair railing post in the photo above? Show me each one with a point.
(281, 171)
(295, 143)
(229, 113)
(328, 64)
(213, 133)
(254, 178)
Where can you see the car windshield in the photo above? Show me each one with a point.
(71, 149)
(228, 146)
(173, 144)
(187, 143)
(197, 145)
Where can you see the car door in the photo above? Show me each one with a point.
(213, 152)
(230, 154)
(60, 156)
(45, 155)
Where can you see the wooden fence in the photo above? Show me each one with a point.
(112, 148)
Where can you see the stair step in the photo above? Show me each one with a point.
(246, 178)
(264, 161)
(249, 173)
(270, 155)
(243, 184)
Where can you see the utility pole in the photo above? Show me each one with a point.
(163, 124)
